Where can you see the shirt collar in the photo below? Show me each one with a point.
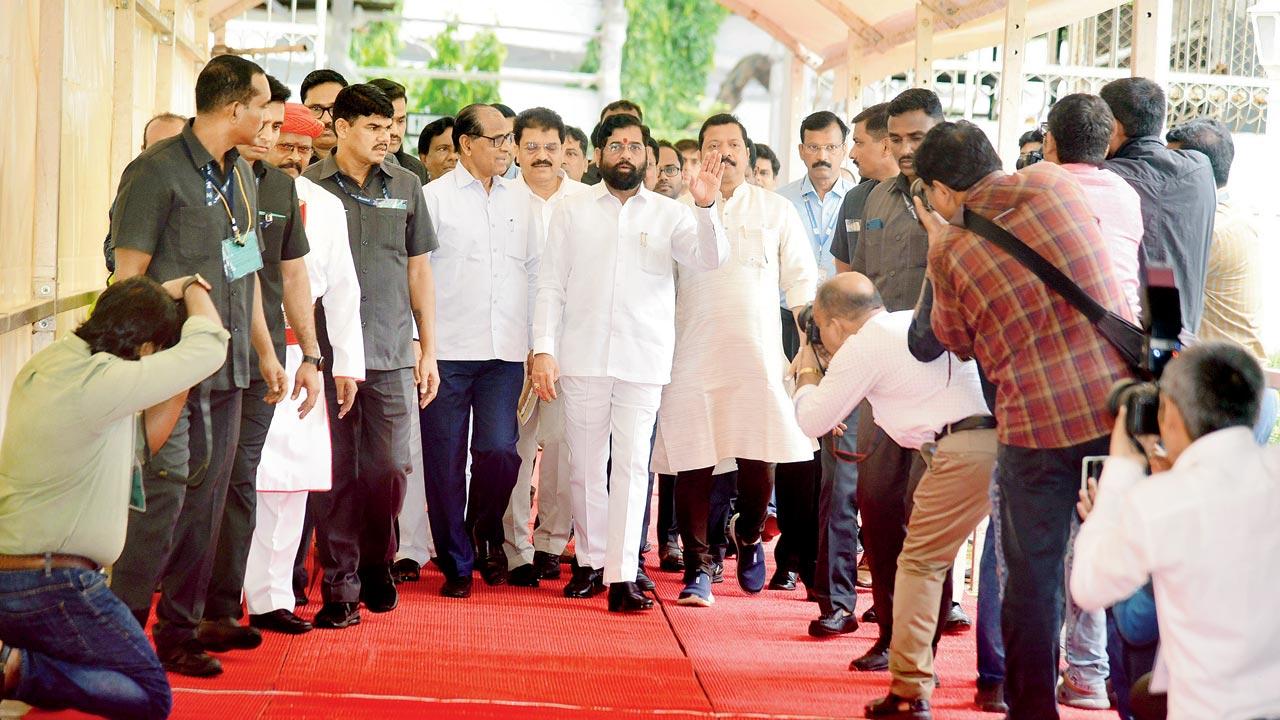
(1213, 448)
(199, 154)
(329, 167)
(901, 184)
(463, 177)
(601, 191)
(841, 187)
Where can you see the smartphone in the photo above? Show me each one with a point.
(1091, 467)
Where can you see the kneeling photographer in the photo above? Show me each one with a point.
(70, 471)
(1201, 527)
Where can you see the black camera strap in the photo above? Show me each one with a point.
(1128, 339)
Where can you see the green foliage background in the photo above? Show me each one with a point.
(669, 50)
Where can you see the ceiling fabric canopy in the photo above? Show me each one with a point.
(883, 32)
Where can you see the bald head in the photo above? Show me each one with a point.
(848, 295)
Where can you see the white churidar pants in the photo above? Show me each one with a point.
(555, 503)
(268, 577)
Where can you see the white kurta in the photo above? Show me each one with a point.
(726, 397)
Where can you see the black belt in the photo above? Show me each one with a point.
(973, 422)
(46, 561)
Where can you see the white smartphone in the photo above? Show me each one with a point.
(1091, 467)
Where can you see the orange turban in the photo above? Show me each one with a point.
(298, 119)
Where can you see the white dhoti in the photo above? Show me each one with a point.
(295, 461)
(605, 417)
(545, 428)
(415, 532)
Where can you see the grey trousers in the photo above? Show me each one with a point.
(174, 540)
(240, 513)
(837, 573)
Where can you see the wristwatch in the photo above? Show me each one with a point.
(314, 360)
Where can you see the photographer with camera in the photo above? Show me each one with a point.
(1206, 513)
(70, 469)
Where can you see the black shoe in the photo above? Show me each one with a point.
(671, 558)
(870, 616)
(377, 589)
(646, 547)
(626, 597)
(586, 583)
(836, 622)
(337, 615)
(784, 580)
(406, 570)
(491, 561)
(957, 620)
(191, 660)
(300, 600)
(226, 634)
(456, 587)
(643, 581)
(899, 708)
(990, 698)
(875, 660)
(548, 565)
(717, 573)
(523, 576)
(281, 621)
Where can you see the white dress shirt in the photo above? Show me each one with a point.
(546, 208)
(606, 296)
(332, 272)
(1206, 533)
(486, 267)
(910, 400)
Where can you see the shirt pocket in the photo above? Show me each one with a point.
(515, 235)
(390, 224)
(271, 228)
(655, 255)
(756, 245)
(201, 231)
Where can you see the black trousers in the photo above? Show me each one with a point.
(239, 516)
(1038, 492)
(173, 542)
(355, 521)
(796, 485)
(668, 530)
(837, 572)
(694, 489)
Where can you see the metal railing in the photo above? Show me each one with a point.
(41, 312)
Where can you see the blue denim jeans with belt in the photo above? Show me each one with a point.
(80, 647)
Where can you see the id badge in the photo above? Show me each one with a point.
(852, 226)
(391, 204)
(240, 259)
(137, 495)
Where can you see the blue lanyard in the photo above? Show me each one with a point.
(813, 222)
(359, 195)
(213, 191)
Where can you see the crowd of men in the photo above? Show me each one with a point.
(389, 355)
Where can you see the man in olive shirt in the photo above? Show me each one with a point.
(284, 281)
(399, 124)
(188, 205)
(390, 235)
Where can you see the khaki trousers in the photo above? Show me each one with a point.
(950, 501)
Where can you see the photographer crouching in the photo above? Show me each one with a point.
(936, 408)
(70, 471)
(1202, 526)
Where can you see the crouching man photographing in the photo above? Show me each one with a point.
(69, 472)
(936, 408)
(1202, 527)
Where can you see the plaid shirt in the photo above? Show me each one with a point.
(1051, 368)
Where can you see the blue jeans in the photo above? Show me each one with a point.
(1267, 415)
(990, 594)
(81, 648)
(1086, 632)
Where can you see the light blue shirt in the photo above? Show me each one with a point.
(819, 217)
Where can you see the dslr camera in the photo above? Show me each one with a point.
(810, 328)
(1162, 315)
(1142, 402)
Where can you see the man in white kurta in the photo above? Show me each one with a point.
(296, 456)
(604, 324)
(726, 398)
(540, 136)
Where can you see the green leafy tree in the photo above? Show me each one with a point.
(668, 53)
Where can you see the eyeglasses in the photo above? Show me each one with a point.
(815, 148)
(319, 111)
(533, 147)
(616, 148)
(498, 140)
(670, 170)
(291, 148)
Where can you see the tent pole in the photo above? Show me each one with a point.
(924, 47)
(853, 75)
(1152, 39)
(1012, 56)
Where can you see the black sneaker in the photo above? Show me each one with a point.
(717, 573)
(377, 589)
(337, 615)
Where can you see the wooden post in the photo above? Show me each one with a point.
(853, 75)
(123, 146)
(48, 171)
(798, 102)
(924, 47)
(1152, 40)
(1012, 51)
(322, 25)
(166, 51)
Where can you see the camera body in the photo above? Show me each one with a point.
(1141, 400)
(810, 328)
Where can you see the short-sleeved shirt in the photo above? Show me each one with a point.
(892, 248)
(167, 209)
(387, 223)
(849, 225)
(283, 238)
(410, 162)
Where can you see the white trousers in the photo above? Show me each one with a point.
(604, 416)
(415, 532)
(555, 504)
(268, 577)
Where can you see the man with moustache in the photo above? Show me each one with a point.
(726, 398)
(670, 171)
(319, 88)
(435, 147)
(605, 317)
(390, 234)
(284, 281)
(187, 206)
(399, 123)
(575, 153)
(296, 454)
(618, 107)
(540, 138)
(483, 223)
(767, 167)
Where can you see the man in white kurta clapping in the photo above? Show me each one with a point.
(604, 327)
(726, 399)
(296, 456)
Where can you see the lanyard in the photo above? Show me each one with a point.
(212, 190)
(358, 195)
